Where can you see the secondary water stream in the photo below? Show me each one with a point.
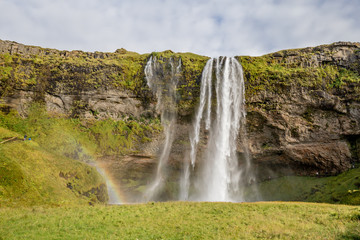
(162, 78)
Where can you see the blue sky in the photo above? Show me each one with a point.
(212, 28)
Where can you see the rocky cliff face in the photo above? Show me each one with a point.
(75, 83)
(90, 85)
(308, 132)
(303, 105)
(310, 125)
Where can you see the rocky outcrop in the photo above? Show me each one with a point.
(98, 104)
(343, 54)
(88, 85)
(308, 129)
(303, 119)
(14, 48)
(75, 83)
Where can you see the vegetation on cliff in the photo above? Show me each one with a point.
(50, 71)
(271, 73)
(77, 71)
(73, 74)
(80, 139)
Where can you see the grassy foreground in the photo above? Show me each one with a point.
(184, 220)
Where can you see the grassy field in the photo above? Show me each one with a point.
(184, 220)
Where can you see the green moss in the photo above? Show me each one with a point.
(119, 137)
(343, 188)
(74, 73)
(308, 114)
(188, 89)
(60, 146)
(344, 77)
(268, 73)
(78, 139)
(79, 71)
(6, 70)
(56, 144)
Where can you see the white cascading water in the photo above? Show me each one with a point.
(163, 84)
(221, 176)
(205, 90)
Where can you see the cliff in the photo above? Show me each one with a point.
(303, 105)
(90, 85)
(304, 109)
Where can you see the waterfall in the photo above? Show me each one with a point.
(162, 78)
(205, 99)
(221, 176)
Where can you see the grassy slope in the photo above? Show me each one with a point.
(344, 188)
(30, 175)
(184, 220)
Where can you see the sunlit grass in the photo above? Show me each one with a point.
(31, 175)
(184, 220)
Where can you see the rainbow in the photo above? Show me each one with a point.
(116, 196)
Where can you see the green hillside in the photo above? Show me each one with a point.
(30, 175)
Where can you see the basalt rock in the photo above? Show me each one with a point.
(308, 129)
(98, 104)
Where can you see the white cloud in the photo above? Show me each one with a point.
(214, 27)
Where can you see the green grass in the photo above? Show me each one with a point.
(81, 139)
(344, 188)
(267, 73)
(31, 175)
(184, 220)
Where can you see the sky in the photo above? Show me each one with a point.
(212, 28)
